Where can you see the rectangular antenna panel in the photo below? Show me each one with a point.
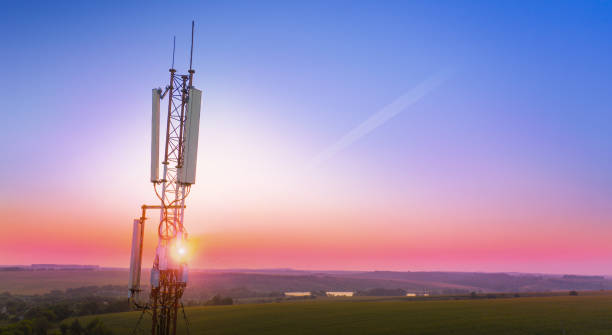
(155, 136)
(187, 172)
(135, 259)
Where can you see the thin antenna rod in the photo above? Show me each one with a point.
(191, 56)
(173, 49)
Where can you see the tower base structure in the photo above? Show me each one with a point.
(166, 300)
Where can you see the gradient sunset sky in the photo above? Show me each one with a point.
(504, 165)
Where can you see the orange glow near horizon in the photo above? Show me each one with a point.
(502, 166)
(320, 240)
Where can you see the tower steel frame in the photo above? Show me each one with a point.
(168, 273)
(165, 298)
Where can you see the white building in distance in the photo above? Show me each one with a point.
(297, 294)
(339, 294)
(420, 294)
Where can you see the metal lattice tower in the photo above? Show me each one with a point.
(166, 296)
(169, 271)
(173, 192)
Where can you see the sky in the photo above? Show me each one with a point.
(345, 135)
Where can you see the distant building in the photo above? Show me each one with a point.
(417, 294)
(297, 294)
(339, 294)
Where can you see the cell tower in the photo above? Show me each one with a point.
(169, 271)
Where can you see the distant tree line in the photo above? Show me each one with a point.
(382, 292)
(57, 306)
(41, 326)
(37, 314)
(583, 277)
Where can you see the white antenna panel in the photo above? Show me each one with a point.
(136, 260)
(155, 136)
(187, 172)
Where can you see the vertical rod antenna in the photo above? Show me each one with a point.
(191, 56)
(173, 49)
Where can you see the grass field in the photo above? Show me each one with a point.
(580, 315)
(37, 282)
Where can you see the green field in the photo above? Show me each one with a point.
(578, 315)
(38, 282)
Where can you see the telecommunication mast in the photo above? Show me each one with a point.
(170, 269)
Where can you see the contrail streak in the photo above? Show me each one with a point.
(380, 117)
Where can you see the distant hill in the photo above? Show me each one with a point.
(251, 283)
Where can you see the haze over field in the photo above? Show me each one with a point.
(240, 284)
(307, 159)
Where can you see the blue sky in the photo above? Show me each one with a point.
(525, 116)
